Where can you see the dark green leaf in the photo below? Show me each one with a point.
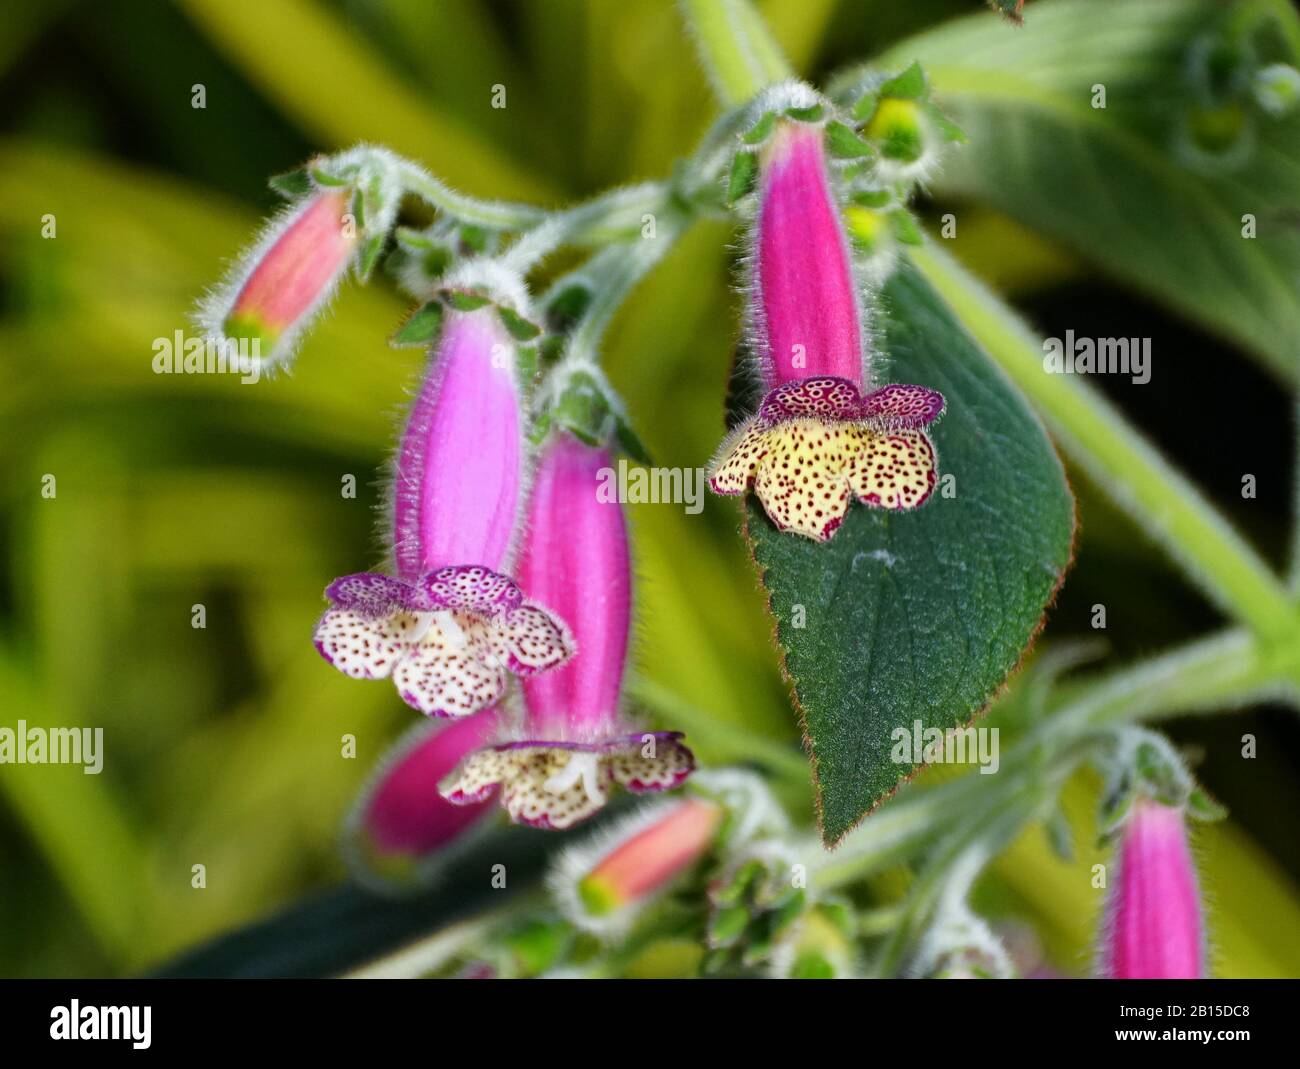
(921, 615)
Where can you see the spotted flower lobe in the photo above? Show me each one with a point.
(817, 442)
(557, 785)
(449, 640)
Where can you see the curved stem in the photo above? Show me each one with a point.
(1123, 463)
(495, 215)
(614, 216)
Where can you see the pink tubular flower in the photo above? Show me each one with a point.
(575, 745)
(401, 818)
(606, 882)
(291, 275)
(449, 627)
(1153, 927)
(821, 436)
(808, 312)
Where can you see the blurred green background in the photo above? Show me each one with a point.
(223, 743)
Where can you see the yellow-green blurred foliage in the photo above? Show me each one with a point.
(223, 744)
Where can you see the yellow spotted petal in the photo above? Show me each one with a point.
(802, 480)
(733, 472)
(894, 470)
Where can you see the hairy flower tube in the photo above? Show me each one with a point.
(820, 436)
(605, 883)
(574, 745)
(400, 818)
(449, 627)
(284, 281)
(1153, 927)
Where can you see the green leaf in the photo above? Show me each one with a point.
(1121, 184)
(812, 113)
(520, 328)
(844, 142)
(905, 228)
(920, 615)
(630, 443)
(744, 173)
(463, 301)
(866, 106)
(371, 249)
(910, 85)
(1201, 806)
(758, 133)
(292, 184)
(421, 328)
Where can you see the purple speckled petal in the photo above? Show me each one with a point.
(903, 407)
(371, 594)
(535, 639)
(455, 669)
(824, 397)
(471, 588)
(364, 647)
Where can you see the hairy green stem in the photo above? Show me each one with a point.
(734, 48)
(618, 276)
(1123, 463)
(495, 215)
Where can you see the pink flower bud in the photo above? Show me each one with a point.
(821, 437)
(401, 817)
(1153, 927)
(576, 745)
(458, 485)
(450, 627)
(605, 882)
(808, 311)
(289, 276)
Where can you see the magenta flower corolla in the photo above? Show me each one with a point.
(401, 818)
(450, 627)
(574, 744)
(821, 435)
(1153, 927)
